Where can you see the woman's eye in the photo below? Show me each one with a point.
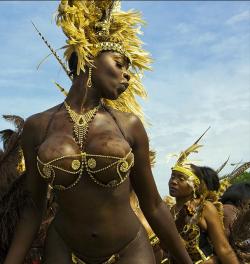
(119, 64)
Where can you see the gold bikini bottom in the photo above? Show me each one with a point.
(111, 260)
(167, 261)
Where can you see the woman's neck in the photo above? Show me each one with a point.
(180, 201)
(81, 97)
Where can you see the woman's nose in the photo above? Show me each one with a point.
(126, 76)
(174, 181)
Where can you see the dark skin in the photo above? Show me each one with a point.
(93, 221)
(209, 221)
(134, 204)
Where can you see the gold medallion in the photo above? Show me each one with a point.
(124, 166)
(91, 163)
(47, 171)
(75, 164)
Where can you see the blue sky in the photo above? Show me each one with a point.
(200, 77)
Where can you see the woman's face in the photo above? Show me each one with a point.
(178, 186)
(111, 74)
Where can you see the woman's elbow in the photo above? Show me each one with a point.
(151, 210)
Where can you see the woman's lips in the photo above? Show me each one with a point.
(172, 189)
(122, 87)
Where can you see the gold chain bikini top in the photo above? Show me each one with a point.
(85, 162)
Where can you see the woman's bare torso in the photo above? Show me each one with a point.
(92, 220)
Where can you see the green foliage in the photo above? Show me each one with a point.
(244, 177)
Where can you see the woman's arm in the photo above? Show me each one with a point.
(217, 235)
(32, 216)
(154, 209)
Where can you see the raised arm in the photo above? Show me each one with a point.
(154, 209)
(32, 215)
(217, 235)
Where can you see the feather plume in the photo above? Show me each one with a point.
(10, 156)
(5, 136)
(233, 175)
(52, 52)
(237, 171)
(192, 149)
(17, 121)
(223, 165)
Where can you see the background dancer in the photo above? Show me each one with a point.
(198, 220)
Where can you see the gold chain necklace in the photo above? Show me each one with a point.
(176, 213)
(81, 123)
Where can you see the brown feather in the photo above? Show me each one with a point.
(17, 121)
(223, 165)
(5, 136)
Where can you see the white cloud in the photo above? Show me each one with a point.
(184, 28)
(183, 104)
(243, 16)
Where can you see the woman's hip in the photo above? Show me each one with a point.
(137, 251)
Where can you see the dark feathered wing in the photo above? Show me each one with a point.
(12, 195)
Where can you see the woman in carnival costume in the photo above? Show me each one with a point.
(90, 149)
(198, 213)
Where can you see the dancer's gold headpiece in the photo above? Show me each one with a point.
(95, 26)
(183, 165)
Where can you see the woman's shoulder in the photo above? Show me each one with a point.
(35, 124)
(124, 117)
(39, 118)
(209, 209)
(131, 125)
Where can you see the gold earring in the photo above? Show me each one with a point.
(89, 81)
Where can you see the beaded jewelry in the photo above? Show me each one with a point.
(81, 123)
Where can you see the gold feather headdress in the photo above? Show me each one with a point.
(95, 26)
(183, 164)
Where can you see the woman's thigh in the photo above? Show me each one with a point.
(55, 250)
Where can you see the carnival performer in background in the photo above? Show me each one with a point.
(90, 149)
(233, 198)
(236, 204)
(196, 213)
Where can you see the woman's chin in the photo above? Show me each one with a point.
(113, 96)
(173, 192)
